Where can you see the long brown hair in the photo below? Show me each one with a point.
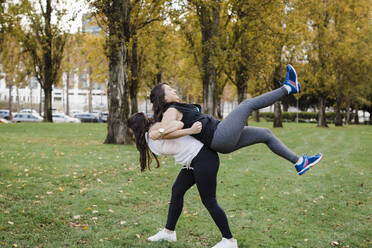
(140, 124)
(157, 98)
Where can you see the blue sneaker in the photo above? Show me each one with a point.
(291, 80)
(307, 163)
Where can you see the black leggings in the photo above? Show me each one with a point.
(204, 174)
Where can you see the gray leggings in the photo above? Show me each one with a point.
(232, 134)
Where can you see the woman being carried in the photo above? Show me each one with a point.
(200, 167)
(230, 134)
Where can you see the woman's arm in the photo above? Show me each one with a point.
(194, 129)
(156, 133)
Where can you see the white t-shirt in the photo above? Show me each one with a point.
(183, 149)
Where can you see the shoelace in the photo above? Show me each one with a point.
(187, 167)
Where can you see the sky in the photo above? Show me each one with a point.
(73, 7)
(78, 7)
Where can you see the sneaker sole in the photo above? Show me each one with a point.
(162, 240)
(310, 165)
(297, 83)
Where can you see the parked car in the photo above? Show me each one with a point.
(26, 117)
(61, 118)
(86, 117)
(4, 113)
(98, 114)
(30, 111)
(104, 116)
(75, 112)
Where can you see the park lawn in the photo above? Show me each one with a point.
(60, 186)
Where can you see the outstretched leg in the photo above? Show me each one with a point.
(228, 132)
(254, 135)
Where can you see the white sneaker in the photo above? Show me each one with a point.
(163, 235)
(225, 243)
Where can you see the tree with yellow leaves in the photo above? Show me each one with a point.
(44, 41)
(16, 66)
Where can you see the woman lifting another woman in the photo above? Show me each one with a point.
(169, 134)
(200, 167)
(230, 134)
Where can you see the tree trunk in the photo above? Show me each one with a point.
(118, 79)
(277, 115)
(348, 119)
(67, 94)
(285, 106)
(90, 85)
(356, 116)
(118, 98)
(322, 122)
(158, 78)
(41, 102)
(338, 119)
(209, 19)
(158, 75)
(242, 93)
(256, 115)
(10, 85)
(18, 100)
(48, 64)
(134, 83)
(31, 97)
(277, 105)
(48, 104)
(219, 108)
(241, 82)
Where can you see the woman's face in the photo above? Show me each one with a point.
(170, 94)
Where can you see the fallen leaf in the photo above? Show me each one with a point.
(78, 225)
(334, 243)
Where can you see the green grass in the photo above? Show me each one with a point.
(51, 174)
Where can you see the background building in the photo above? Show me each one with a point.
(78, 95)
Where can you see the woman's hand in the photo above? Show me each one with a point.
(196, 127)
